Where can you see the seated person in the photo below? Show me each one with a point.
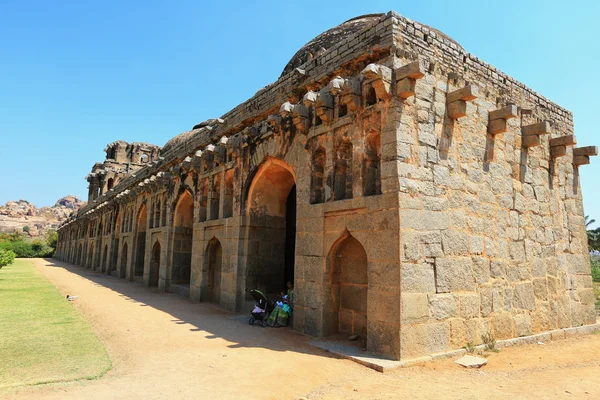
(283, 308)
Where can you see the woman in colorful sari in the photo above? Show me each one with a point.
(283, 309)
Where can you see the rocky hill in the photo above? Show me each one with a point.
(16, 215)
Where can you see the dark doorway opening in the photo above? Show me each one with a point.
(290, 237)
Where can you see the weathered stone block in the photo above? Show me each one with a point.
(455, 243)
(424, 220)
(524, 297)
(415, 308)
(481, 269)
(454, 274)
(457, 109)
(442, 306)
(503, 326)
(540, 288)
(417, 278)
(418, 340)
(522, 325)
(468, 305)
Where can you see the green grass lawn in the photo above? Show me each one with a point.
(42, 337)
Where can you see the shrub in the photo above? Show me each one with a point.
(6, 257)
(595, 269)
(24, 249)
(26, 228)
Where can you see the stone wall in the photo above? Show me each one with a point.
(436, 200)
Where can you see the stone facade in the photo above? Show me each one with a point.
(416, 196)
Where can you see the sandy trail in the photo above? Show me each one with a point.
(163, 346)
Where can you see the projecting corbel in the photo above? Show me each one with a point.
(381, 77)
(497, 119)
(349, 91)
(456, 101)
(531, 133)
(558, 146)
(406, 79)
(581, 155)
(322, 101)
(299, 114)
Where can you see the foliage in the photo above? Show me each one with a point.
(44, 338)
(24, 248)
(11, 237)
(26, 228)
(595, 261)
(489, 341)
(592, 234)
(7, 257)
(470, 347)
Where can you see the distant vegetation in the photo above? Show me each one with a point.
(6, 257)
(22, 247)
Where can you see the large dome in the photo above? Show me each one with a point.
(328, 39)
(333, 36)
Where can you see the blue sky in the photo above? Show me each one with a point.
(76, 75)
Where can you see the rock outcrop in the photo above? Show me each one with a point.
(17, 215)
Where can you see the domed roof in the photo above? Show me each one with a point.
(333, 36)
(328, 39)
(177, 141)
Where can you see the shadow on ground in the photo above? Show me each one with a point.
(203, 318)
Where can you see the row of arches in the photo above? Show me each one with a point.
(269, 251)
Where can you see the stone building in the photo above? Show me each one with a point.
(416, 196)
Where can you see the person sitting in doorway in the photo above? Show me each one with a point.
(283, 308)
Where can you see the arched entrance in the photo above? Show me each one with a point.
(271, 206)
(123, 267)
(214, 253)
(140, 243)
(347, 312)
(182, 239)
(155, 265)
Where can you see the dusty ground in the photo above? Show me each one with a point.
(164, 346)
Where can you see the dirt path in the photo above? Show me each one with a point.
(163, 346)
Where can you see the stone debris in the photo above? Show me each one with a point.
(471, 361)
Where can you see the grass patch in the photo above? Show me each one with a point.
(43, 338)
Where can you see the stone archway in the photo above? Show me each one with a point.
(271, 207)
(140, 242)
(155, 265)
(183, 233)
(214, 254)
(348, 288)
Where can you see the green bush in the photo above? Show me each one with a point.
(6, 257)
(595, 269)
(24, 249)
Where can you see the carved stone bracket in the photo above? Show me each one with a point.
(382, 79)
(558, 146)
(406, 79)
(456, 101)
(322, 101)
(531, 133)
(497, 119)
(349, 91)
(299, 114)
(581, 155)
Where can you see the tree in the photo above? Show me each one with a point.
(26, 228)
(588, 221)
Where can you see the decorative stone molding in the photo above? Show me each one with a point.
(456, 101)
(348, 90)
(322, 101)
(381, 77)
(299, 114)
